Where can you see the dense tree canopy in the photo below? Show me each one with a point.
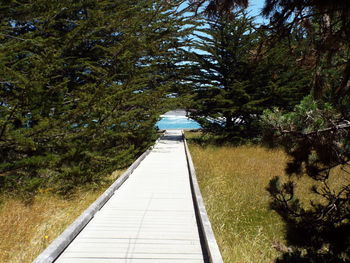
(219, 7)
(223, 66)
(235, 75)
(316, 132)
(82, 85)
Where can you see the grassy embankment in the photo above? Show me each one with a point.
(27, 229)
(233, 182)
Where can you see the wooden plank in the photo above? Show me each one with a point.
(131, 253)
(212, 247)
(150, 218)
(62, 241)
(129, 260)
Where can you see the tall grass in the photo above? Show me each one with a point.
(233, 182)
(27, 229)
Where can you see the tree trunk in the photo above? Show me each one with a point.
(229, 122)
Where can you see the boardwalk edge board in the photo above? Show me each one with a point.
(51, 253)
(208, 234)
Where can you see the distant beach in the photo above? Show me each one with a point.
(176, 120)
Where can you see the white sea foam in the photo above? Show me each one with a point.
(174, 116)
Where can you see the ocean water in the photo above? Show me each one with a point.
(172, 122)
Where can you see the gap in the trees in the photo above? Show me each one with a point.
(177, 119)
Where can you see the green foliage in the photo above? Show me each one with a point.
(316, 132)
(235, 77)
(325, 25)
(222, 70)
(317, 138)
(82, 85)
(309, 116)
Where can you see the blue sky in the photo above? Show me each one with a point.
(254, 9)
(255, 6)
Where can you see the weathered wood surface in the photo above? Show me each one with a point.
(51, 253)
(209, 241)
(151, 218)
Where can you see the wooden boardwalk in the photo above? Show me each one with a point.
(150, 218)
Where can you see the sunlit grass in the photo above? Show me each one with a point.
(233, 181)
(27, 229)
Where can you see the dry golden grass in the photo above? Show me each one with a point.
(233, 182)
(26, 230)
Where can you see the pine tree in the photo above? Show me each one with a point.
(316, 132)
(316, 135)
(221, 73)
(83, 83)
(236, 75)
